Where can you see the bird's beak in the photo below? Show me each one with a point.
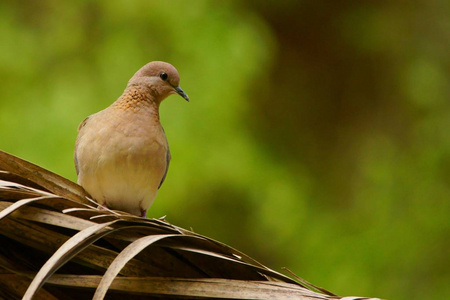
(182, 93)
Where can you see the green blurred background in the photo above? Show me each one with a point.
(317, 136)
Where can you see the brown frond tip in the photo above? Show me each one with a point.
(57, 245)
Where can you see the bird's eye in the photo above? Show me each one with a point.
(163, 76)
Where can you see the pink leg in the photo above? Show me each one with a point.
(102, 207)
(143, 213)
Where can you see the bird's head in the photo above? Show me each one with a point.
(161, 78)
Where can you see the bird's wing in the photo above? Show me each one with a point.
(168, 157)
(76, 144)
(83, 123)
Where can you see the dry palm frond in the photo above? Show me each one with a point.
(55, 244)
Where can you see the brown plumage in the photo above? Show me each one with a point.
(121, 153)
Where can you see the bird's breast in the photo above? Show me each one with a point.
(121, 163)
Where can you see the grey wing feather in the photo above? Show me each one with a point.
(76, 162)
(168, 157)
(76, 144)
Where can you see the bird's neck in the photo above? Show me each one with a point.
(137, 100)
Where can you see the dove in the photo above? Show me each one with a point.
(121, 153)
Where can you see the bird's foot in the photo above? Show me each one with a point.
(103, 207)
(143, 213)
